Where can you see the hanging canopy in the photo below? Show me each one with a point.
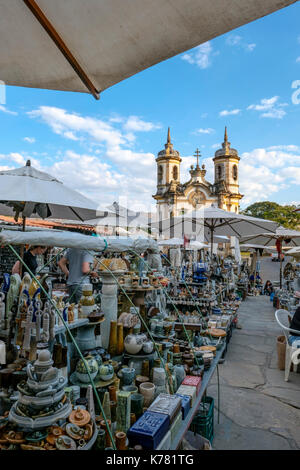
(88, 46)
(78, 241)
(30, 192)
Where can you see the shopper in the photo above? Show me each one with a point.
(29, 259)
(268, 289)
(79, 262)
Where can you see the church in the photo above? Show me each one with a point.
(176, 198)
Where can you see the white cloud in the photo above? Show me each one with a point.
(236, 40)
(226, 112)
(216, 146)
(7, 111)
(233, 40)
(274, 113)
(30, 140)
(289, 148)
(250, 47)
(135, 124)
(298, 59)
(271, 108)
(205, 131)
(200, 55)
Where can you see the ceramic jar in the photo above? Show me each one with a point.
(112, 347)
(130, 388)
(128, 375)
(87, 301)
(147, 389)
(159, 376)
(106, 372)
(81, 372)
(180, 374)
(137, 404)
(120, 440)
(148, 347)
(133, 343)
(120, 338)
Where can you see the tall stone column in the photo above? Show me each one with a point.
(109, 304)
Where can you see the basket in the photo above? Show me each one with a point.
(281, 348)
(203, 422)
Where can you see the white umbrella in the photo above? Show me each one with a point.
(196, 245)
(288, 236)
(253, 247)
(171, 242)
(210, 221)
(90, 45)
(28, 191)
(284, 235)
(294, 252)
(221, 239)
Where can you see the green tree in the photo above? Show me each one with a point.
(283, 215)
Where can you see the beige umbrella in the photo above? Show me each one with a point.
(88, 46)
(283, 235)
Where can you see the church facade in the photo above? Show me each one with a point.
(176, 198)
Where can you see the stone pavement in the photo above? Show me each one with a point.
(258, 409)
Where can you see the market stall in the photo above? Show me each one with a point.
(124, 341)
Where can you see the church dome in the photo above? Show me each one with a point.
(168, 151)
(226, 151)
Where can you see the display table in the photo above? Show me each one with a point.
(189, 418)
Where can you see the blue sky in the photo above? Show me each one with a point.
(106, 149)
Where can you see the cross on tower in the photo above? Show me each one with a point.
(197, 154)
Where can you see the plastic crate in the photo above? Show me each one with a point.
(203, 422)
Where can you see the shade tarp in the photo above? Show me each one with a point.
(78, 241)
(110, 40)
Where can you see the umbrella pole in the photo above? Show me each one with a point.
(22, 246)
(280, 275)
(211, 242)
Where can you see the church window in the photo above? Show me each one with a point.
(219, 172)
(160, 174)
(175, 173)
(234, 172)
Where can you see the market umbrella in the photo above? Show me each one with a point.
(88, 46)
(281, 235)
(26, 191)
(204, 224)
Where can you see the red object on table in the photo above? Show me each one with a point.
(193, 381)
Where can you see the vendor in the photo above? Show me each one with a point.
(79, 262)
(29, 259)
(295, 325)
